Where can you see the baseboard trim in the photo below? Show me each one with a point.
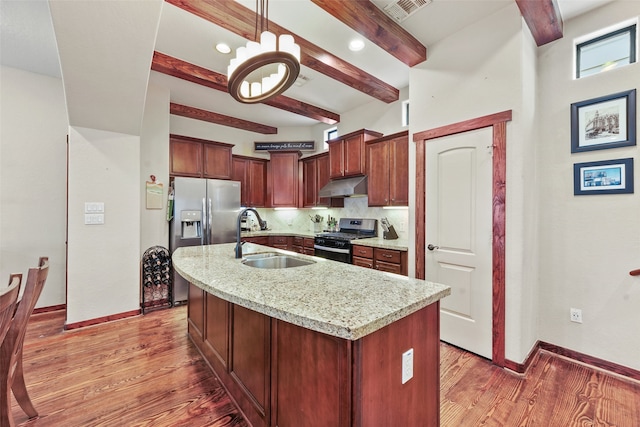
(49, 309)
(99, 320)
(595, 362)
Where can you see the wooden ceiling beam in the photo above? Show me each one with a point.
(220, 119)
(367, 19)
(240, 20)
(175, 67)
(543, 19)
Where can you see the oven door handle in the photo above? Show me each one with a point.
(336, 250)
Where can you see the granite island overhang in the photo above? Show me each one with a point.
(334, 298)
(320, 344)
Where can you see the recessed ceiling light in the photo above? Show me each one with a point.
(223, 48)
(356, 45)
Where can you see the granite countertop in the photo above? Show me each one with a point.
(335, 298)
(376, 242)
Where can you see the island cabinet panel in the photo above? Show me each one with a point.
(380, 398)
(284, 178)
(347, 153)
(195, 312)
(312, 378)
(216, 334)
(251, 362)
(388, 170)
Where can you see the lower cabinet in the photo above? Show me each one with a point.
(283, 375)
(389, 260)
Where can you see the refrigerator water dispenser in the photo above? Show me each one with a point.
(191, 224)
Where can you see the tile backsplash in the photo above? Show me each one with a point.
(297, 220)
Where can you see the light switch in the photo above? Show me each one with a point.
(93, 207)
(94, 219)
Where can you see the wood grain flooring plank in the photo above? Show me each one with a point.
(144, 371)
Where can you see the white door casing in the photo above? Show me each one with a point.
(459, 225)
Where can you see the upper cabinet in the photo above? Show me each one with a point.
(388, 170)
(252, 174)
(347, 153)
(315, 175)
(284, 178)
(199, 158)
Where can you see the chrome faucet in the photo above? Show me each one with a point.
(263, 225)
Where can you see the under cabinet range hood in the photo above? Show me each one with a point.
(345, 187)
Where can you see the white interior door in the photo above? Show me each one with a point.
(459, 235)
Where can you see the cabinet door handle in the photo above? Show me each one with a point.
(386, 255)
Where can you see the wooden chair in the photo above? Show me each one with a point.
(11, 373)
(8, 300)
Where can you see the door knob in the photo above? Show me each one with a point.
(432, 248)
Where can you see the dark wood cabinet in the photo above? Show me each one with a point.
(388, 170)
(251, 361)
(252, 174)
(199, 158)
(281, 374)
(258, 240)
(389, 260)
(284, 178)
(217, 161)
(280, 242)
(297, 244)
(347, 153)
(216, 333)
(315, 175)
(195, 312)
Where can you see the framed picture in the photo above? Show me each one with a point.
(605, 122)
(605, 177)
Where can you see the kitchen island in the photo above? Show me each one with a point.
(315, 345)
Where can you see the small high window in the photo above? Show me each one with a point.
(330, 134)
(606, 52)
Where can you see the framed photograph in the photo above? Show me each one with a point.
(605, 122)
(605, 177)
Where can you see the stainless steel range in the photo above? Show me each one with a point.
(337, 245)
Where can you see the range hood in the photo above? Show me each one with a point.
(345, 187)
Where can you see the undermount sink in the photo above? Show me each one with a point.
(274, 260)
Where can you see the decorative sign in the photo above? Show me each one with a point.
(284, 146)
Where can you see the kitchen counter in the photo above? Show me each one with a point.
(376, 242)
(337, 299)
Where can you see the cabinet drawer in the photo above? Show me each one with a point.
(362, 251)
(297, 241)
(308, 243)
(362, 262)
(278, 240)
(388, 255)
(297, 248)
(309, 251)
(388, 267)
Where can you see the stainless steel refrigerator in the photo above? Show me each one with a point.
(205, 212)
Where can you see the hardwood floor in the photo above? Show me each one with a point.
(143, 371)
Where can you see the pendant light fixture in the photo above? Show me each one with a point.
(262, 70)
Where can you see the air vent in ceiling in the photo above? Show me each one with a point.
(400, 10)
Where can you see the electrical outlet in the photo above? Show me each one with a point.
(576, 315)
(407, 365)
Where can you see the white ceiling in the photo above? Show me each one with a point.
(93, 36)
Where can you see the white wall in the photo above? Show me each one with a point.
(154, 160)
(485, 69)
(33, 178)
(103, 260)
(588, 244)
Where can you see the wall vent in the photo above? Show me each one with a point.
(400, 10)
(301, 80)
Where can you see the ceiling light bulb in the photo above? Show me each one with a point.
(223, 48)
(356, 45)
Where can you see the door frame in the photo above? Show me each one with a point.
(498, 122)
